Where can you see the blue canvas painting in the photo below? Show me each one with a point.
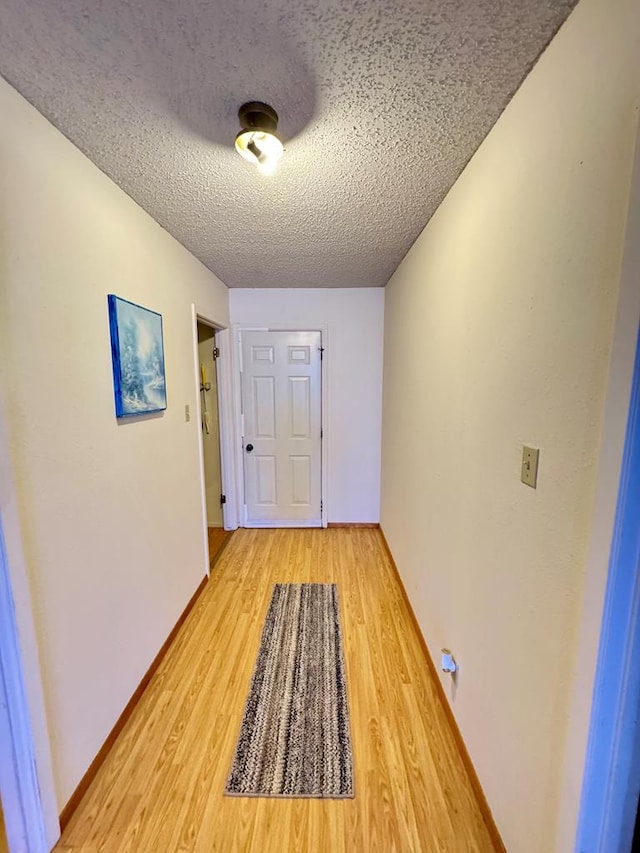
(137, 352)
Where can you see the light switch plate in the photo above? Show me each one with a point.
(529, 474)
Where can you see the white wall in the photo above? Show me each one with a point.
(354, 318)
(498, 332)
(110, 512)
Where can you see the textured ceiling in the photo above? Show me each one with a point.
(382, 102)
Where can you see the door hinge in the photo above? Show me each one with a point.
(223, 499)
(321, 353)
(321, 433)
(216, 353)
(321, 506)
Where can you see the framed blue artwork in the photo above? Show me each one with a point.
(137, 353)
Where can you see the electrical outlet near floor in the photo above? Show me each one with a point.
(529, 473)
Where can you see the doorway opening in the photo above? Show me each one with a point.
(208, 353)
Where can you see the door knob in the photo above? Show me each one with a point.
(249, 448)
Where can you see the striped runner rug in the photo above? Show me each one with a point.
(295, 735)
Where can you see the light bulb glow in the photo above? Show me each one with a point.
(262, 149)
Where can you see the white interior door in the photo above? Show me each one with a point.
(282, 448)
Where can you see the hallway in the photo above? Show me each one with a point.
(160, 788)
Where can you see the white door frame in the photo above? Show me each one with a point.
(606, 669)
(22, 806)
(226, 424)
(235, 363)
(611, 777)
(26, 778)
(611, 783)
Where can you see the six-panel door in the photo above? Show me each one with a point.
(281, 404)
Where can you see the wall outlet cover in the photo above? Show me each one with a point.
(529, 473)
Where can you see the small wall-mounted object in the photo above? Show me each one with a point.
(529, 473)
(205, 385)
(447, 662)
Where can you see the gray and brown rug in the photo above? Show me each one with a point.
(295, 735)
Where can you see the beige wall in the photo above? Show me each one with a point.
(110, 512)
(211, 439)
(498, 331)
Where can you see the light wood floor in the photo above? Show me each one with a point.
(160, 788)
(3, 837)
(217, 538)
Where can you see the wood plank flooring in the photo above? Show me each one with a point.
(218, 537)
(160, 788)
(3, 837)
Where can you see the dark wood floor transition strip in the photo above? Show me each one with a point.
(87, 779)
(462, 747)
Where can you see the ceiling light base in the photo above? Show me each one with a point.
(258, 116)
(257, 141)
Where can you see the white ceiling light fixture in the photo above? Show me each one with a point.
(257, 142)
